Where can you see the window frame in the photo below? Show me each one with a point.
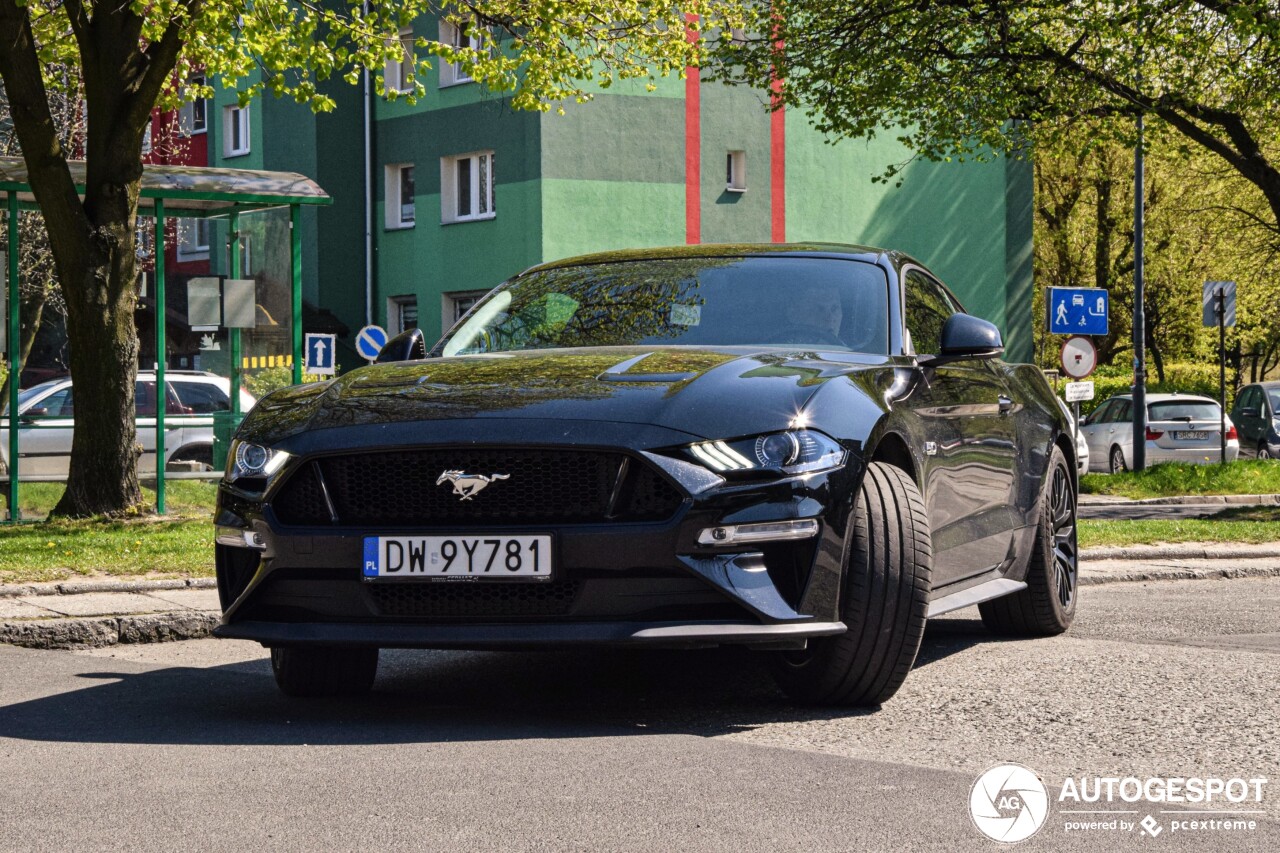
(735, 171)
(230, 146)
(398, 77)
(450, 189)
(187, 126)
(451, 73)
(449, 313)
(396, 306)
(393, 192)
(908, 337)
(192, 249)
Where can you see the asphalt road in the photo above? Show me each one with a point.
(188, 745)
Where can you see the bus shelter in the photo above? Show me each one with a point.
(233, 307)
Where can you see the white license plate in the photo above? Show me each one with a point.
(490, 557)
(1190, 434)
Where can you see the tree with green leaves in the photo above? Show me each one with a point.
(965, 79)
(135, 57)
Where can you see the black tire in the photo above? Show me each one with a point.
(1263, 451)
(324, 671)
(888, 564)
(1048, 604)
(1116, 461)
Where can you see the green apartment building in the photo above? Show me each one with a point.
(465, 192)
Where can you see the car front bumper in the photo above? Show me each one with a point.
(627, 583)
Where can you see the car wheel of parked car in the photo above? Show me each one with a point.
(1263, 452)
(1048, 604)
(885, 599)
(1117, 461)
(324, 671)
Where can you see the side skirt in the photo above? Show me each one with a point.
(971, 595)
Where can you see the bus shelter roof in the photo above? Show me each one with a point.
(190, 188)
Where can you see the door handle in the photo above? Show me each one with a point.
(1006, 404)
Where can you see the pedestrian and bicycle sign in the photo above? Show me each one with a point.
(320, 354)
(370, 340)
(1078, 310)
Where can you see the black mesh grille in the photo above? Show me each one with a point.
(400, 487)
(474, 600)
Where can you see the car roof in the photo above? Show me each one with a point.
(849, 251)
(1164, 398)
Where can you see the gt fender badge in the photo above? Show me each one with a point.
(466, 486)
(930, 448)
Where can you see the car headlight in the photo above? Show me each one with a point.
(248, 461)
(789, 452)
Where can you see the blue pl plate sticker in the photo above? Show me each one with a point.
(371, 556)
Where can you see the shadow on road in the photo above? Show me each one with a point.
(444, 697)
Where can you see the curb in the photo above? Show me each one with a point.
(1251, 500)
(1181, 573)
(77, 587)
(1186, 551)
(99, 631)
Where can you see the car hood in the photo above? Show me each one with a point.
(706, 393)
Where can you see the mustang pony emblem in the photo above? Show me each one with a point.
(465, 485)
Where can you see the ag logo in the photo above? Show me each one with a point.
(1009, 803)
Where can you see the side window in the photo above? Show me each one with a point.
(201, 398)
(1101, 413)
(145, 397)
(58, 404)
(1252, 398)
(927, 308)
(1121, 412)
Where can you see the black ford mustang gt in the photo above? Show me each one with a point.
(808, 449)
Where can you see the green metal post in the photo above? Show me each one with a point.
(15, 328)
(161, 395)
(295, 283)
(233, 268)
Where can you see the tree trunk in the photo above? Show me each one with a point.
(103, 357)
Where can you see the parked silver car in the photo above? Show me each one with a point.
(1180, 428)
(1082, 446)
(45, 413)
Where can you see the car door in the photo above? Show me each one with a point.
(44, 434)
(1092, 429)
(1249, 415)
(970, 453)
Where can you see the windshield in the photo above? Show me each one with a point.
(1183, 410)
(29, 394)
(822, 303)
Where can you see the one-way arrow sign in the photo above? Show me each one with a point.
(320, 351)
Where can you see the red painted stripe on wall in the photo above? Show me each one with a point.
(777, 167)
(692, 151)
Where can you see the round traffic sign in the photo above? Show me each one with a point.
(370, 340)
(1079, 357)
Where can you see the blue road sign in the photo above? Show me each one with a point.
(320, 355)
(1077, 310)
(370, 340)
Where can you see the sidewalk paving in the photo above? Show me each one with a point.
(92, 614)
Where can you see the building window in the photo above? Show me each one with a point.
(235, 131)
(467, 187)
(193, 239)
(402, 314)
(397, 76)
(400, 211)
(192, 117)
(735, 177)
(456, 305)
(452, 73)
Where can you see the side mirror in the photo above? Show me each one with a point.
(32, 413)
(1250, 412)
(966, 336)
(406, 346)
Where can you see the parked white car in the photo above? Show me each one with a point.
(45, 413)
(1180, 428)
(1082, 446)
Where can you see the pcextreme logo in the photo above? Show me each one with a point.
(1009, 803)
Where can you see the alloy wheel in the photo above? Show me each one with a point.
(1066, 557)
(1117, 460)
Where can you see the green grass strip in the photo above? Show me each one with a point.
(1242, 477)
